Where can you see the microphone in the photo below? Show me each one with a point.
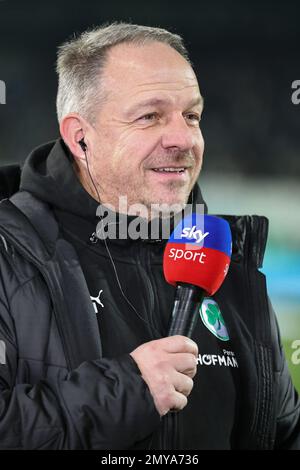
(196, 261)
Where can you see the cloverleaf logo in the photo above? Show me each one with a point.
(212, 318)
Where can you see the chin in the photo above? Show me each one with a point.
(164, 206)
(175, 196)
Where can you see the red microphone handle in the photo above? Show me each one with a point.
(188, 299)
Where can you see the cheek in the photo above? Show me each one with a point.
(202, 143)
(200, 148)
(132, 152)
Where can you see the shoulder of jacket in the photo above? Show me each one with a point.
(15, 269)
(22, 248)
(28, 225)
(5, 246)
(249, 238)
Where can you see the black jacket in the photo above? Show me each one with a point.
(68, 381)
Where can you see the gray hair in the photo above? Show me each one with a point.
(81, 60)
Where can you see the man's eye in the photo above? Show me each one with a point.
(148, 117)
(193, 117)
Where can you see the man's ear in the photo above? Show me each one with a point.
(72, 132)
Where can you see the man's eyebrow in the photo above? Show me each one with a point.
(198, 101)
(160, 101)
(143, 104)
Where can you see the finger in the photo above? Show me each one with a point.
(179, 401)
(183, 362)
(179, 343)
(182, 383)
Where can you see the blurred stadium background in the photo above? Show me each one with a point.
(278, 199)
(246, 57)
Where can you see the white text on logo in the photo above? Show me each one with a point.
(187, 254)
(198, 235)
(227, 359)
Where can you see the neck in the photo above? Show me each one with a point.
(86, 182)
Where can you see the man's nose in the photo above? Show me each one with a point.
(177, 133)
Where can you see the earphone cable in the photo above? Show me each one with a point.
(111, 258)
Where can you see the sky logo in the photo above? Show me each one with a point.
(203, 231)
(2, 92)
(198, 235)
(198, 252)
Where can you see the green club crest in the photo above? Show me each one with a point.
(212, 318)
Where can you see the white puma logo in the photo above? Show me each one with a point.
(96, 300)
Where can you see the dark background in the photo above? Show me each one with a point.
(246, 55)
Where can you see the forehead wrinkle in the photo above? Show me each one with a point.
(154, 88)
(154, 101)
(159, 83)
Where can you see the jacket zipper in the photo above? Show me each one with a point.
(149, 289)
(260, 428)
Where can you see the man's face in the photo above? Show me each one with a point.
(146, 143)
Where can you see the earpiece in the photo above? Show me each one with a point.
(82, 144)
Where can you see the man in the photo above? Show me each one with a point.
(87, 363)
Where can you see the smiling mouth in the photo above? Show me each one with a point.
(169, 170)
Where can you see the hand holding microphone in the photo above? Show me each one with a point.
(196, 261)
(168, 366)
